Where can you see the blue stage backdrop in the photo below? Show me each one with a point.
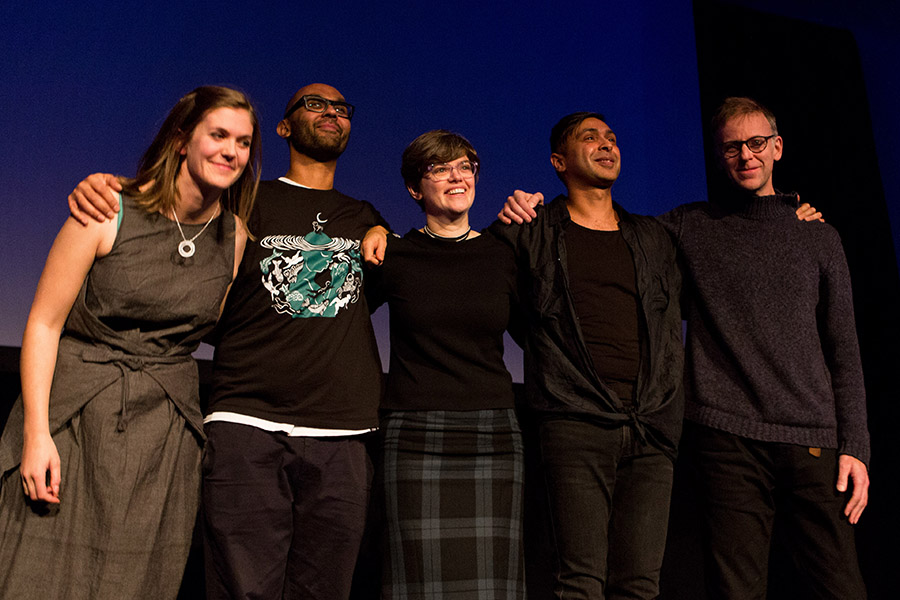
(84, 87)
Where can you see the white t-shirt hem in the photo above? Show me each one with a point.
(287, 428)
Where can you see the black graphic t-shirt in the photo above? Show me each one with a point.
(295, 343)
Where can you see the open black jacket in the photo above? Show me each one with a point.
(560, 379)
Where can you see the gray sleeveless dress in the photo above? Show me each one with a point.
(125, 417)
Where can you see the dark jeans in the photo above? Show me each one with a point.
(609, 501)
(283, 516)
(745, 486)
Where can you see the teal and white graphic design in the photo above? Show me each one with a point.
(313, 275)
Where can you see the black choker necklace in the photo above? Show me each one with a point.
(457, 238)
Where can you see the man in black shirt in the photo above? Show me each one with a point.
(603, 368)
(775, 398)
(296, 379)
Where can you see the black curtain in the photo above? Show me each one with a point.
(811, 78)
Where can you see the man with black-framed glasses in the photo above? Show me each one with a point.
(776, 418)
(775, 403)
(296, 379)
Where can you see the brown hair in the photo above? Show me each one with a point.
(739, 106)
(436, 146)
(161, 162)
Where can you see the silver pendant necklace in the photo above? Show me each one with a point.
(186, 247)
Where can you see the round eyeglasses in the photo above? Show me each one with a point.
(318, 104)
(756, 144)
(467, 169)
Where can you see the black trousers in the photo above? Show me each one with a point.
(283, 516)
(745, 485)
(609, 501)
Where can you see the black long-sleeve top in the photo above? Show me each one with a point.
(450, 303)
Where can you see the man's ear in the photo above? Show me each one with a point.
(779, 147)
(283, 129)
(558, 162)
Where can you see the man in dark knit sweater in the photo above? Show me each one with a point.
(603, 368)
(775, 403)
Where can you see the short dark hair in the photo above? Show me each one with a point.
(739, 106)
(436, 146)
(563, 129)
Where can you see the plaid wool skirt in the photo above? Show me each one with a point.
(453, 491)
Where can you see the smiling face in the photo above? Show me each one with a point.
(449, 199)
(589, 157)
(750, 171)
(217, 151)
(321, 136)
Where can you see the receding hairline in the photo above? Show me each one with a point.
(579, 129)
(329, 93)
(566, 127)
(744, 117)
(735, 107)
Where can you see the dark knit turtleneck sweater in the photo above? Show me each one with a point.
(772, 353)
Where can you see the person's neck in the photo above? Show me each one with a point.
(593, 208)
(769, 191)
(311, 173)
(447, 227)
(194, 205)
(740, 196)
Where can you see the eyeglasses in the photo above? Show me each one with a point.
(441, 171)
(756, 144)
(318, 104)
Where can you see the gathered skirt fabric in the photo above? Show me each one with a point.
(128, 502)
(453, 492)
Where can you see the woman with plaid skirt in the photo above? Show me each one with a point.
(453, 465)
